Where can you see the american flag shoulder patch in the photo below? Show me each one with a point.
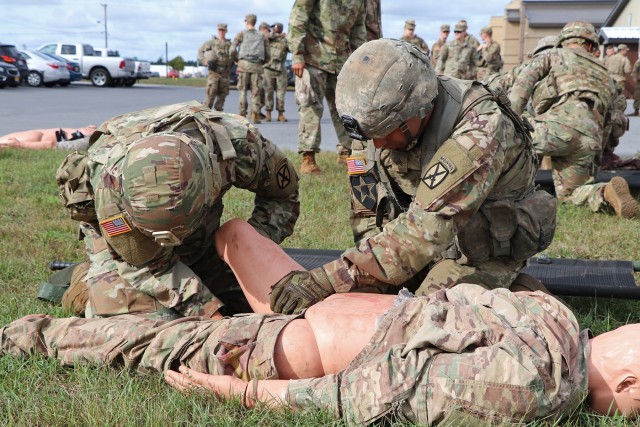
(115, 225)
(355, 165)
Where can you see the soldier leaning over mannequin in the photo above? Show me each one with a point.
(215, 54)
(444, 194)
(148, 196)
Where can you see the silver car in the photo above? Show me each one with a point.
(45, 70)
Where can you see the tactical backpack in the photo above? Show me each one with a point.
(252, 46)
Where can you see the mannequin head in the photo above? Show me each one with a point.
(614, 371)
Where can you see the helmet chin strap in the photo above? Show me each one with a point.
(412, 140)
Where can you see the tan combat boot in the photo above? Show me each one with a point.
(281, 117)
(255, 118)
(267, 117)
(309, 165)
(617, 194)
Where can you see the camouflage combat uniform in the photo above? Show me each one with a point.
(322, 34)
(218, 77)
(435, 52)
(619, 67)
(570, 108)
(249, 71)
(636, 91)
(457, 59)
(472, 157)
(170, 281)
(373, 19)
(418, 42)
(489, 61)
(275, 74)
(464, 355)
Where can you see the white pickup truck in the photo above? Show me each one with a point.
(142, 67)
(102, 71)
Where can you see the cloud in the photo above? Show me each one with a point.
(142, 27)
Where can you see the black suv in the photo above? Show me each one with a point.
(9, 75)
(9, 54)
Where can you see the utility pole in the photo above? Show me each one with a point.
(106, 44)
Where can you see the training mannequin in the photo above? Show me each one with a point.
(344, 352)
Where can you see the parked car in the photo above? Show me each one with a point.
(291, 78)
(45, 70)
(103, 71)
(173, 74)
(10, 55)
(72, 66)
(142, 67)
(9, 75)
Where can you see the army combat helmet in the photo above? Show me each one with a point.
(544, 43)
(168, 182)
(582, 30)
(384, 83)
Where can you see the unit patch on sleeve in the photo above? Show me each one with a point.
(364, 191)
(115, 225)
(451, 164)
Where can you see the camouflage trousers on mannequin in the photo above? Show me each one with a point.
(217, 90)
(275, 82)
(241, 346)
(254, 82)
(310, 94)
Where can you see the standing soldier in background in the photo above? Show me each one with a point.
(457, 57)
(250, 50)
(265, 29)
(411, 37)
(437, 46)
(469, 38)
(619, 67)
(489, 58)
(275, 74)
(571, 94)
(322, 35)
(636, 92)
(215, 55)
(609, 51)
(373, 19)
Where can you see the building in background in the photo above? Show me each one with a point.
(527, 21)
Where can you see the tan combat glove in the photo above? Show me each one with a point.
(299, 290)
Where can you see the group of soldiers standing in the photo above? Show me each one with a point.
(464, 57)
(260, 56)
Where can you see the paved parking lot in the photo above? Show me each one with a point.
(81, 104)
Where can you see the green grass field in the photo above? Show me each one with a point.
(35, 229)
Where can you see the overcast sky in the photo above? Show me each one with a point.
(141, 28)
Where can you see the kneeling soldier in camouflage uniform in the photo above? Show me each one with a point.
(148, 196)
(572, 96)
(461, 356)
(444, 195)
